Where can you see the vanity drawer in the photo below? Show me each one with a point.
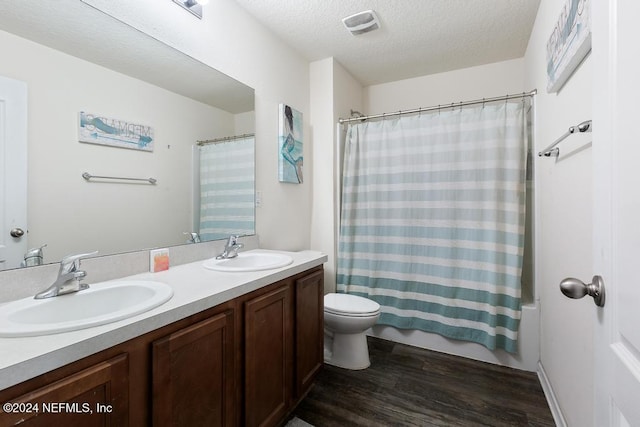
(95, 396)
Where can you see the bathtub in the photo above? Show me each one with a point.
(528, 342)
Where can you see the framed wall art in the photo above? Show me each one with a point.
(569, 43)
(290, 159)
(97, 129)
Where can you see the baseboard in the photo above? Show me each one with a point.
(556, 412)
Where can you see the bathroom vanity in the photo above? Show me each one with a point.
(228, 349)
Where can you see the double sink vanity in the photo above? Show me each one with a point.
(218, 342)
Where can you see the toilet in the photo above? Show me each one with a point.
(346, 319)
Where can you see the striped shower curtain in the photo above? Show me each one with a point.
(432, 221)
(227, 189)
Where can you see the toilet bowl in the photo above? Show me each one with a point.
(346, 319)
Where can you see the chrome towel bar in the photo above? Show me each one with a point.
(88, 176)
(550, 151)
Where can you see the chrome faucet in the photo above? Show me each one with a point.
(69, 277)
(33, 257)
(194, 237)
(231, 248)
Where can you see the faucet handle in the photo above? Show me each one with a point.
(33, 257)
(70, 261)
(194, 237)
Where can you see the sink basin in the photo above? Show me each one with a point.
(98, 305)
(249, 261)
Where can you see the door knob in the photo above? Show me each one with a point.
(16, 232)
(575, 288)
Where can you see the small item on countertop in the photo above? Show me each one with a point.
(158, 260)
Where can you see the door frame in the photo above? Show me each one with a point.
(14, 115)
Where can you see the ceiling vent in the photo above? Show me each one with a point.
(362, 22)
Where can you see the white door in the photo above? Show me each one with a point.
(616, 154)
(13, 172)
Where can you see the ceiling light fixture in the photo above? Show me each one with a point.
(362, 22)
(193, 6)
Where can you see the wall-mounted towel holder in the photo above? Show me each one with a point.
(550, 151)
(88, 176)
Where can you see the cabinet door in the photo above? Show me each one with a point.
(96, 396)
(193, 375)
(309, 329)
(268, 357)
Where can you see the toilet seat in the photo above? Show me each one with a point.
(350, 305)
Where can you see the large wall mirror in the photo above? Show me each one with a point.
(76, 59)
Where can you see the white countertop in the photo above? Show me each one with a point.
(194, 289)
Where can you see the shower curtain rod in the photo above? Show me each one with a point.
(224, 139)
(440, 107)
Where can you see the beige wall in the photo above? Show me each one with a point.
(334, 93)
(484, 81)
(564, 228)
(348, 95)
(322, 206)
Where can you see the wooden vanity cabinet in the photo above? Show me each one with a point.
(283, 346)
(156, 379)
(193, 374)
(95, 396)
(248, 361)
(268, 356)
(309, 322)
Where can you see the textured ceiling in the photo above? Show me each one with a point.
(416, 38)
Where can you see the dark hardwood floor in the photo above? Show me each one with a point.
(406, 386)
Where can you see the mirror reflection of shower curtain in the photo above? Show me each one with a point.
(227, 189)
(432, 220)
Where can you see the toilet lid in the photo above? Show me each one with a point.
(350, 305)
